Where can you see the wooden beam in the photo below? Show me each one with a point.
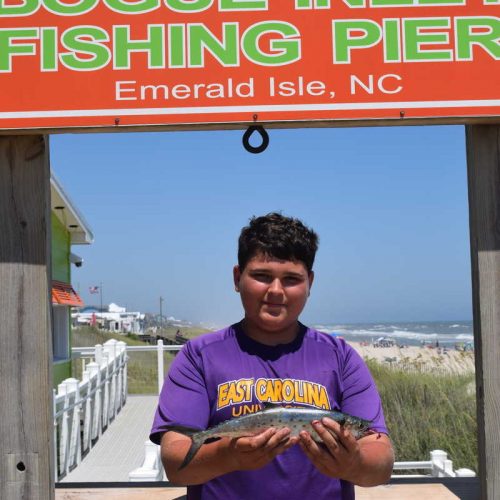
(483, 146)
(26, 425)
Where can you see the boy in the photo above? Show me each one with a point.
(271, 357)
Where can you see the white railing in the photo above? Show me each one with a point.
(99, 392)
(160, 348)
(438, 466)
(151, 468)
(84, 409)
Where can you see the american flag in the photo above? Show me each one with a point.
(93, 289)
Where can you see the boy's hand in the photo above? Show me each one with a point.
(338, 456)
(250, 453)
(366, 462)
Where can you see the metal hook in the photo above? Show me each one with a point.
(246, 139)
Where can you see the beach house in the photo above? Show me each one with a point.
(69, 228)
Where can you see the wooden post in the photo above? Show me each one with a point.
(25, 328)
(483, 146)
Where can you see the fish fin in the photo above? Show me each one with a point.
(195, 446)
(211, 440)
(189, 432)
(368, 432)
(197, 440)
(266, 405)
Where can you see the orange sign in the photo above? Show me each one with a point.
(107, 63)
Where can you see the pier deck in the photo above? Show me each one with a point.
(120, 449)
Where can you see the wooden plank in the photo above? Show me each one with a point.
(483, 143)
(386, 492)
(26, 427)
(134, 493)
(405, 492)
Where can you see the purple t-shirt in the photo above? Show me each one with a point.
(226, 374)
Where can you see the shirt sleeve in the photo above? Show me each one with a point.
(183, 399)
(360, 396)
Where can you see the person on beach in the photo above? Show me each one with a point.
(269, 356)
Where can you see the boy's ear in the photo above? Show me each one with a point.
(236, 277)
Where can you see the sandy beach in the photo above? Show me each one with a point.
(419, 359)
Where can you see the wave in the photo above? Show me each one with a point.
(416, 332)
(465, 336)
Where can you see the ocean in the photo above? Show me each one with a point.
(415, 333)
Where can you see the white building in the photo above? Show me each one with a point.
(114, 318)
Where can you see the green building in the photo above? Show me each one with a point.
(68, 228)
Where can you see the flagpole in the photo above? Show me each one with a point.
(100, 296)
(161, 313)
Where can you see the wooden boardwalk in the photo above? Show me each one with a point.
(120, 449)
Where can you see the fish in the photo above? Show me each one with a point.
(272, 415)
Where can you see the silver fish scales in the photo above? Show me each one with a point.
(296, 419)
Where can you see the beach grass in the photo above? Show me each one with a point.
(188, 332)
(425, 412)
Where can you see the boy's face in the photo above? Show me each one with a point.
(273, 292)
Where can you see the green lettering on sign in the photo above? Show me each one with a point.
(391, 3)
(76, 40)
(352, 34)
(48, 49)
(311, 4)
(468, 36)
(282, 50)
(355, 4)
(201, 39)
(153, 46)
(176, 52)
(137, 7)
(243, 5)
(24, 9)
(189, 5)
(8, 49)
(441, 2)
(392, 52)
(70, 9)
(415, 37)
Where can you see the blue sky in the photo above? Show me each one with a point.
(389, 204)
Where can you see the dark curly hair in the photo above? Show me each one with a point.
(275, 235)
